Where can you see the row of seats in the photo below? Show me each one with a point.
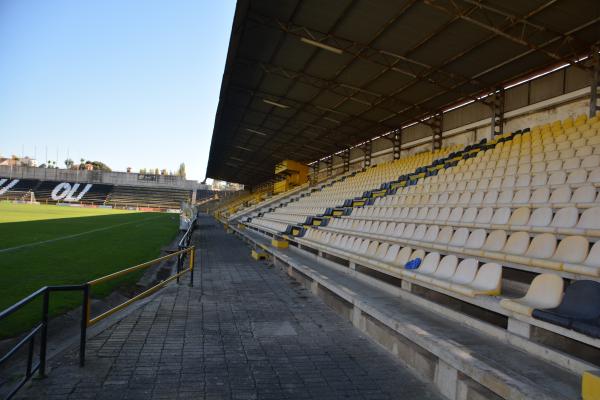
(518, 166)
(578, 309)
(574, 179)
(149, 197)
(466, 277)
(565, 220)
(573, 253)
(299, 210)
(583, 196)
(271, 225)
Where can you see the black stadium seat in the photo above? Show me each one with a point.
(580, 305)
(588, 327)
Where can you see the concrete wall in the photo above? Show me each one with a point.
(111, 178)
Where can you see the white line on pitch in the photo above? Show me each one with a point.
(71, 236)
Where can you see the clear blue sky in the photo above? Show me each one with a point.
(128, 82)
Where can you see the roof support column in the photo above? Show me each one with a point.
(437, 127)
(346, 160)
(497, 125)
(329, 165)
(314, 177)
(594, 106)
(397, 143)
(368, 152)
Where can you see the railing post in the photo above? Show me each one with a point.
(179, 264)
(85, 315)
(44, 338)
(30, 356)
(192, 259)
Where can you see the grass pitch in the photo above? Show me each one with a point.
(51, 245)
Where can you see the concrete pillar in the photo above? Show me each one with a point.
(446, 379)
(519, 327)
(314, 287)
(357, 319)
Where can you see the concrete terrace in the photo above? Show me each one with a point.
(244, 331)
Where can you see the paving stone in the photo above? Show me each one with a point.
(244, 331)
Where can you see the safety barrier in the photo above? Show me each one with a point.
(42, 328)
(184, 250)
(180, 254)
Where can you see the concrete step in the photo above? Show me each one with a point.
(463, 362)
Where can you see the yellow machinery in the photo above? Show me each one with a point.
(290, 173)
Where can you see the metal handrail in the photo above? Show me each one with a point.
(41, 328)
(180, 254)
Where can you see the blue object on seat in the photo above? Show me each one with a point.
(580, 305)
(413, 264)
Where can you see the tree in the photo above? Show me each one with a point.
(155, 171)
(69, 163)
(43, 165)
(100, 166)
(181, 170)
(143, 171)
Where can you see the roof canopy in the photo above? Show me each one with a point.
(306, 78)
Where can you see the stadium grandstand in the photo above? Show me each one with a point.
(424, 174)
(106, 189)
(451, 210)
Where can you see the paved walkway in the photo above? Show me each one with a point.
(245, 331)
